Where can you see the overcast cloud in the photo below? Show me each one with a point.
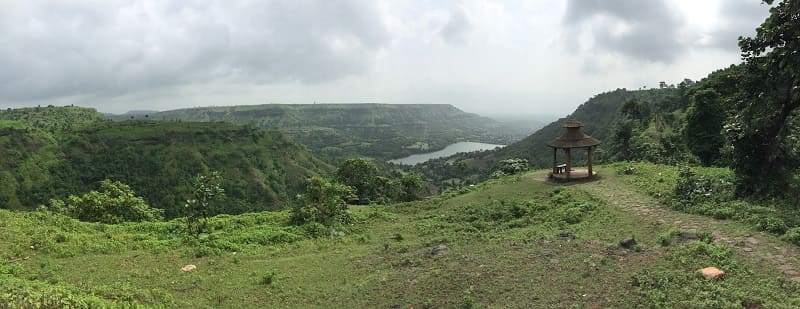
(482, 56)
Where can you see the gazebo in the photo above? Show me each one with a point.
(572, 138)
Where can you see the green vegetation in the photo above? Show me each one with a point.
(323, 203)
(338, 131)
(115, 203)
(260, 169)
(710, 192)
(205, 190)
(514, 241)
(704, 120)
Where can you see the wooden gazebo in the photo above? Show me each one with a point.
(572, 138)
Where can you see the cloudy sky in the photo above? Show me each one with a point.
(488, 57)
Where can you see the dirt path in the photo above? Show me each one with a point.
(762, 248)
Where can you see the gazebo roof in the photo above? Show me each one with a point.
(573, 138)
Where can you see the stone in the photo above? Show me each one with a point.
(752, 240)
(747, 249)
(628, 243)
(188, 268)
(439, 250)
(566, 235)
(711, 272)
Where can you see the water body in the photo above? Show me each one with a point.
(446, 152)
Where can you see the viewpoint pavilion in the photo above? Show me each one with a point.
(571, 139)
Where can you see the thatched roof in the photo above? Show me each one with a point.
(573, 138)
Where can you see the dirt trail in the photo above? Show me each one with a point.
(762, 248)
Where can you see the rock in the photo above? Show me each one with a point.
(711, 272)
(628, 243)
(747, 249)
(188, 268)
(439, 250)
(567, 235)
(752, 240)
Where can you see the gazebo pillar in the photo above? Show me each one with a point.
(555, 162)
(589, 163)
(569, 162)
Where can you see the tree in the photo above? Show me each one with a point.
(634, 110)
(360, 174)
(770, 94)
(704, 120)
(205, 190)
(621, 140)
(114, 203)
(323, 202)
(411, 183)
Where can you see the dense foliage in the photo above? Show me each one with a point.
(704, 120)
(261, 169)
(323, 202)
(114, 203)
(768, 100)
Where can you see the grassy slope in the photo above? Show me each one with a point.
(261, 169)
(44, 155)
(504, 250)
(384, 131)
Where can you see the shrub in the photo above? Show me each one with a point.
(206, 189)
(770, 223)
(268, 279)
(114, 203)
(323, 202)
(793, 235)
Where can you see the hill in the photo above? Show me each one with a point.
(512, 242)
(261, 169)
(381, 131)
(599, 116)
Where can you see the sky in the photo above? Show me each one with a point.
(487, 57)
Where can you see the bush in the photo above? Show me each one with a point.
(793, 235)
(770, 223)
(323, 202)
(114, 203)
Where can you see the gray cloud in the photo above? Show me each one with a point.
(650, 28)
(737, 18)
(457, 28)
(109, 48)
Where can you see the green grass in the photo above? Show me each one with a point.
(513, 242)
(659, 181)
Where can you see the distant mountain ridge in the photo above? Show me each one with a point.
(381, 131)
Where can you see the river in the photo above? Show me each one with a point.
(446, 152)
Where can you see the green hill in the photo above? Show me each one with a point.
(382, 131)
(261, 169)
(515, 242)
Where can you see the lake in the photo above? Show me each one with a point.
(446, 152)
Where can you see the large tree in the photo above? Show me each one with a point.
(704, 120)
(770, 94)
